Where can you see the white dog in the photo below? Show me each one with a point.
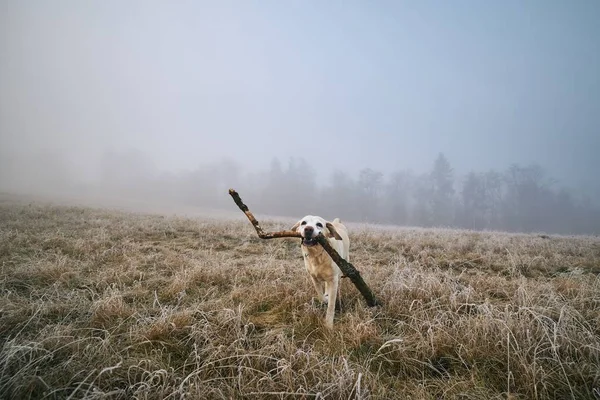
(324, 273)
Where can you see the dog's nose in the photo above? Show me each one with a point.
(308, 231)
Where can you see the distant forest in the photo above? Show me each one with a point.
(518, 199)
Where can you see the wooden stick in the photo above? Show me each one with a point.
(346, 267)
(351, 272)
(256, 225)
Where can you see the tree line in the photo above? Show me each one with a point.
(518, 199)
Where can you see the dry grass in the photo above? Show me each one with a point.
(102, 304)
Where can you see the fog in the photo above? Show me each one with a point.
(483, 115)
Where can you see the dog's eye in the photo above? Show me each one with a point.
(303, 223)
(319, 225)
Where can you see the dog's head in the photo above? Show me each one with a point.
(310, 227)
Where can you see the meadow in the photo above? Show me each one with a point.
(98, 303)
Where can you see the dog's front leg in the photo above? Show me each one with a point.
(332, 288)
(319, 287)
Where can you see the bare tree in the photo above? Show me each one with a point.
(474, 202)
(422, 214)
(369, 188)
(339, 197)
(526, 198)
(442, 200)
(397, 192)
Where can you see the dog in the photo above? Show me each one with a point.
(324, 273)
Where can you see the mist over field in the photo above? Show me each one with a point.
(480, 116)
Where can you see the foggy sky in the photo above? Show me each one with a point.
(343, 84)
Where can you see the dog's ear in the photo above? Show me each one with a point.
(332, 231)
(296, 225)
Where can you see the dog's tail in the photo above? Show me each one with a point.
(337, 221)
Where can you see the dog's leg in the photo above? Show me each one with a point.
(320, 290)
(332, 289)
(338, 301)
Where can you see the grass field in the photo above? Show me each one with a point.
(105, 304)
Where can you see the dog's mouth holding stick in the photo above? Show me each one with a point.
(309, 242)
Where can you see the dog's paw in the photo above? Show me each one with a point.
(318, 304)
(326, 298)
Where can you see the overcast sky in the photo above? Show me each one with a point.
(344, 84)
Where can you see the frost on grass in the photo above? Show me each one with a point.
(105, 304)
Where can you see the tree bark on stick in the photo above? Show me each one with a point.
(346, 267)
